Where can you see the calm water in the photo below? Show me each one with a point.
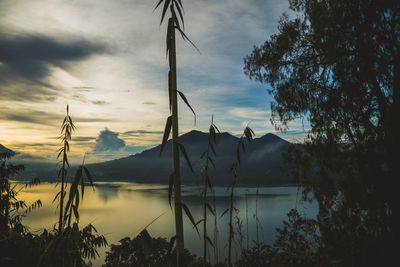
(124, 209)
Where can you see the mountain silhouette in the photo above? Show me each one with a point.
(5, 150)
(261, 163)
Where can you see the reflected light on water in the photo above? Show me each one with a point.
(118, 210)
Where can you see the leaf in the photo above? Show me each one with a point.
(166, 4)
(167, 131)
(208, 181)
(180, 14)
(225, 211)
(248, 132)
(170, 187)
(187, 103)
(211, 161)
(182, 148)
(199, 221)
(212, 133)
(187, 38)
(215, 126)
(76, 213)
(209, 241)
(210, 209)
(189, 214)
(159, 3)
(88, 175)
(174, 17)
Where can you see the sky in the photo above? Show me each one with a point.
(106, 59)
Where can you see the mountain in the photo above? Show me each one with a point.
(261, 163)
(4, 150)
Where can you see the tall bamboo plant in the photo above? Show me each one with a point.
(207, 156)
(240, 147)
(174, 24)
(70, 246)
(67, 127)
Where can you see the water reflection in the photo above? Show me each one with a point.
(124, 209)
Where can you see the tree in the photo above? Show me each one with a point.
(336, 63)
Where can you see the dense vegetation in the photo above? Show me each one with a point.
(337, 64)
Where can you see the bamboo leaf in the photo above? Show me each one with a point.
(225, 211)
(187, 39)
(199, 221)
(182, 148)
(180, 15)
(166, 4)
(212, 134)
(209, 241)
(210, 209)
(208, 181)
(159, 3)
(189, 214)
(187, 103)
(215, 126)
(76, 213)
(167, 131)
(211, 161)
(88, 175)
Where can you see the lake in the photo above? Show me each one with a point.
(118, 210)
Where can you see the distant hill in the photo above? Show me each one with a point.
(262, 163)
(4, 149)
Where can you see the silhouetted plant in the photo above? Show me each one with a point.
(336, 63)
(240, 147)
(207, 184)
(172, 121)
(146, 251)
(12, 209)
(70, 246)
(67, 127)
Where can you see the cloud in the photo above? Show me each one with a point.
(140, 132)
(250, 113)
(108, 141)
(27, 61)
(48, 118)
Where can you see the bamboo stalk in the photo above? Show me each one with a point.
(175, 151)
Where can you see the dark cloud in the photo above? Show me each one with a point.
(108, 141)
(84, 138)
(99, 102)
(140, 132)
(42, 117)
(25, 62)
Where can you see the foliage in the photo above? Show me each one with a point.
(296, 245)
(10, 206)
(247, 135)
(73, 247)
(14, 236)
(146, 251)
(207, 156)
(337, 64)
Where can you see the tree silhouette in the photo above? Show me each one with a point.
(336, 63)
